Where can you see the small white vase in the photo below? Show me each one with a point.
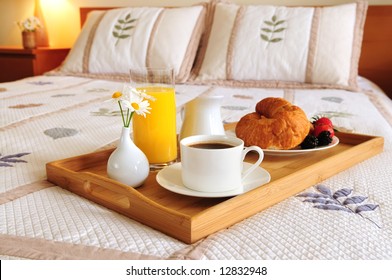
(128, 164)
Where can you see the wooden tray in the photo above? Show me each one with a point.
(192, 218)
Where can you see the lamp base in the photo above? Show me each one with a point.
(41, 33)
(41, 38)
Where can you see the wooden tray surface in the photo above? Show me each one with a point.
(191, 218)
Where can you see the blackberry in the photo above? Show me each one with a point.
(309, 142)
(324, 138)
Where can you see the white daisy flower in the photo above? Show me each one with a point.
(143, 94)
(30, 24)
(133, 101)
(117, 95)
(139, 106)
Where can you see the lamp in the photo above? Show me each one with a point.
(41, 33)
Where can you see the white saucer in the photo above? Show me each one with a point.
(170, 179)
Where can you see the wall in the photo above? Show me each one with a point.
(62, 16)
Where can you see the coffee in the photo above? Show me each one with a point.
(214, 163)
(211, 145)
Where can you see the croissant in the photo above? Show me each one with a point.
(276, 124)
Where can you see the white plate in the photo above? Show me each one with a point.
(297, 151)
(294, 151)
(170, 179)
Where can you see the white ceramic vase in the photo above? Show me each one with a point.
(128, 164)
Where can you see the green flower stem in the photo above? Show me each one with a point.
(122, 114)
(129, 119)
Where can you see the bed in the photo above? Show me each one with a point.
(63, 114)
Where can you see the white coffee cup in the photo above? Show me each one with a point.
(214, 163)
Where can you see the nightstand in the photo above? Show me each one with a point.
(17, 62)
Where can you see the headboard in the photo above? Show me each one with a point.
(376, 55)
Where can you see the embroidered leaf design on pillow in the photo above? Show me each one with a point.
(122, 26)
(271, 28)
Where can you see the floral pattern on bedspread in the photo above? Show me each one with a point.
(60, 132)
(340, 200)
(8, 160)
(40, 83)
(62, 95)
(22, 106)
(333, 99)
(98, 90)
(335, 114)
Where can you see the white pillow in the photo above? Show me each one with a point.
(114, 41)
(278, 46)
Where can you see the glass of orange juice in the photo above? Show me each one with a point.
(156, 133)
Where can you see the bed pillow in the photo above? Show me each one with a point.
(278, 46)
(114, 41)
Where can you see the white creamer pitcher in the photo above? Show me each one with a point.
(202, 116)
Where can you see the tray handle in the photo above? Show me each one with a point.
(110, 192)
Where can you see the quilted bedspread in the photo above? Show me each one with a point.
(47, 118)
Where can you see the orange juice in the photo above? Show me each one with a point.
(156, 134)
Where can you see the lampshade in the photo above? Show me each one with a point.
(42, 33)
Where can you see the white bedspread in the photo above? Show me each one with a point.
(47, 118)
